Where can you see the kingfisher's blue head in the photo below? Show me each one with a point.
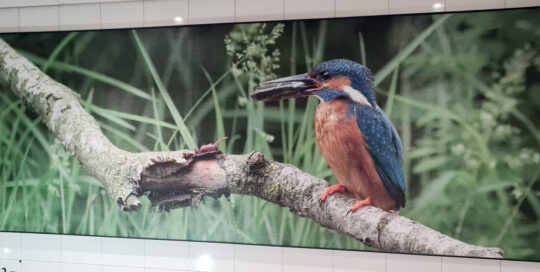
(338, 78)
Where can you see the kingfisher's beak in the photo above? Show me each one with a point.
(286, 88)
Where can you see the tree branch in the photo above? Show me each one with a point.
(181, 178)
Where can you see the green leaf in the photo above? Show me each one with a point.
(219, 117)
(60, 66)
(184, 131)
(70, 37)
(408, 50)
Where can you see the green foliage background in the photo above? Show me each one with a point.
(463, 91)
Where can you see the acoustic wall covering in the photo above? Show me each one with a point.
(411, 134)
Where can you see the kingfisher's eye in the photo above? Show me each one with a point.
(325, 76)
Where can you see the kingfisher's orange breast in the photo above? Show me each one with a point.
(343, 147)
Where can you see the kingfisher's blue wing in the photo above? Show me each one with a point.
(385, 149)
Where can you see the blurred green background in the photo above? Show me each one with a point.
(463, 90)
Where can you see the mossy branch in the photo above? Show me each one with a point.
(181, 178)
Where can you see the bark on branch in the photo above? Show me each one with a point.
(175, 179)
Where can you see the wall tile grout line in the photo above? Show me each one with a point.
(19, 23)
(58, 9)
(21, 234)
(333, 251)
(101, 238)
(144, 250)
(188, 253)
(100, 23)
(283, 11)
(282, 259)
(62, 235)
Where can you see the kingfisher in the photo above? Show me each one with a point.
(353, 134)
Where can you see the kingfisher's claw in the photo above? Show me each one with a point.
(338, 188)
(361, 203)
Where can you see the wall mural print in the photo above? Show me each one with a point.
(413, 133)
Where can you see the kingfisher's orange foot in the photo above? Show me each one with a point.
(338, 188)
(361, 203)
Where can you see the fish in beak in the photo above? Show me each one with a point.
(286, 88)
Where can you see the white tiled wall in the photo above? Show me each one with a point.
(123, 252)
(346, 8)
(28, 3)
(166, 254)
(257, 10)
(470, 265)
(263, 259)
(9, 20)
(78, 17)
(307, 260)
(41, 247)
(521, 3)
(47, 15)
(300, 9)
(474, 4)
(81, 249)
(43, 253)
(66, 253)
(351, 261)
(416, 6)
(39, 18)
(211, 257)
(122, 14)
(165, 12)
(221, 11)
(405, 263)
